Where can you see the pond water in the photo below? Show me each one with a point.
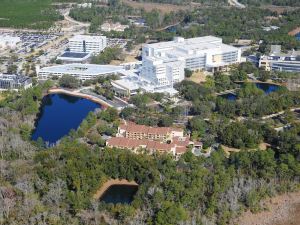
(229, 96)
(59, 114)
(119, 194)
(298, 36)
(267, 88)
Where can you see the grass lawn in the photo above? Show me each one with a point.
(2, 97)
(198, 77)
(33, 14)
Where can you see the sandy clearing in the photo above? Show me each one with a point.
(164, 8)
(198, 77)
(282, 210)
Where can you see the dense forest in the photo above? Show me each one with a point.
(55, 184)
(228, 23)
(247, 2)
(271, 2)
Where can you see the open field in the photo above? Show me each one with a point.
(262, 146)
(34, 14)
(279, 9)
(2, 97)
(164, 8)
(281, 210)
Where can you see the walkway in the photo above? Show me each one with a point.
(71, 20)
(166, 27)
(77, 94)
(236, 4)
(231, 91)
(279, 113)
(86, 93)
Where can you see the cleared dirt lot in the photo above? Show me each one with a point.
(164, 8)
(281, 210)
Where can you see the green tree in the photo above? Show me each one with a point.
(69, 81)
(170, 214)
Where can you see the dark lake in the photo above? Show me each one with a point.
(267, 88)
(59, 114)
(298, 36)
(229, 96)
(119, 194)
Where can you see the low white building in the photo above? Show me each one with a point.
(280, 61)
(87, 44)
(80, 71)
(131, 84)
(14, 82)
(7, 41)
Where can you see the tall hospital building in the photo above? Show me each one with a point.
(87, 44)
(164, 62)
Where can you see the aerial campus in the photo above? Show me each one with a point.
(149, 112)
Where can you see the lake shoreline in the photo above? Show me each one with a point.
(79, 95)
(104, 187)
(281, 210)
(53, 121)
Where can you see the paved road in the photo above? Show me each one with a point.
(71, 20)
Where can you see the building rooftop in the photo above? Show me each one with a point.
(15, 78)
(123, 142)
(181, 47)
(132, 128)
(87, 38)
(179, 41)
(74, 55)
(9, 38)
(77, 68)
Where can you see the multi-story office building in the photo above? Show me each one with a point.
(14, 82)
(87, 44)
(279, 61)
(164, 62)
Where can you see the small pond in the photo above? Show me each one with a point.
(119, 194)
(229, 96)
(59, 114)
(298, 36)
(267, 88)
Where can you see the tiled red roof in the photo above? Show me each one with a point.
(181, 150)
(135, 128)
(122, 142)
(181, 141)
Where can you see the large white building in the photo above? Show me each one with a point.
(87, 44)
(80, 71)
(9, 41)
(164, 62)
